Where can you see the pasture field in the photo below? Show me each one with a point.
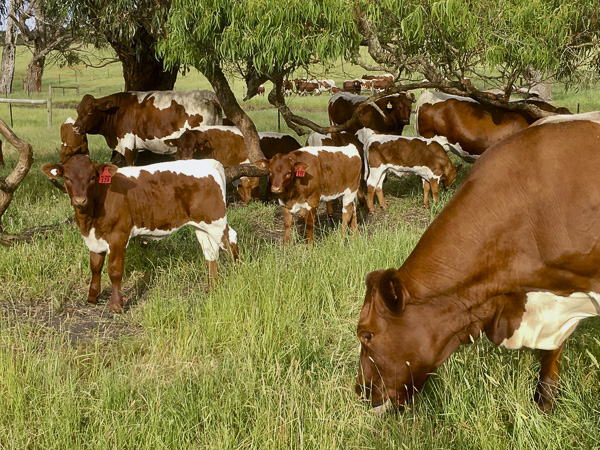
(268, 358)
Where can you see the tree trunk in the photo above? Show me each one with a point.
(35, 70)
(235, 113)
(10, 184)
(7, 69)
(142, 71)
(539, 86)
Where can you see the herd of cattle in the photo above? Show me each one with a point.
(515, 253)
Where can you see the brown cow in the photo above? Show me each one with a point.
(514, 254)
(71, 142)
(143, 120)
(402, 155)
(352, 86)
(305, 87)
(303, 177)
(469, 126)
(227, 145)
(113, 206)
(388, 115)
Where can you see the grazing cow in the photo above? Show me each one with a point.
(305, 87)
(381, 85)
(143, 120)
(71, 142)
(352, 86)
(514, 254)
(261, 90)
(303, 177)
(326, 85)
(469, 126)
(402, 155)
(388, 115)
(113, 205)
(288, 87)
(227, 145)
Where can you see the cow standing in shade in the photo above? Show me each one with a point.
(402, 155)
(71, 142)
(113, 205)
(468, 127)
(304, 177)
(130, 121)
(226, 144)
(515, 254)
(387, 115)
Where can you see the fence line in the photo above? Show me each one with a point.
(48, 104)
(50, 87)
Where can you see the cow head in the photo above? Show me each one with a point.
(397, 109)
(90, 113)
(71, 142)
(399, 347)
(450, 175)
(282, 170)
(81, 176)
(188, 143)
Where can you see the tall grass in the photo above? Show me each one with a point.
(268, 358)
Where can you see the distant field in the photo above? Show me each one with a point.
(268, 358)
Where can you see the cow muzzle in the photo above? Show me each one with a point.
(78, 131)
(276, 189)
(79, 202)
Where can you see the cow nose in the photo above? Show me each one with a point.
(276, 190)
(77, 131)
(79, 202)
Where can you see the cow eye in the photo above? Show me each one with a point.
(366, 336)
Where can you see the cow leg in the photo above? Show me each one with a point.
(361, 197)
(130, 156)
(288, 220)
(96, 263)
(210, 240)
(547, 387)
(347, 215)
(254, 187)
(435, 188)
(379, 192)
(116, 263)
(371, 198)
(229, 242)
(426, 189)
(329, 206)
(310, 224)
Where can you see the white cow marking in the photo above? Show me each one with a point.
(549, 319)
(94, 244)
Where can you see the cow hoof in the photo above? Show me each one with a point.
(116, 308)
(93, 300)
(544, 402)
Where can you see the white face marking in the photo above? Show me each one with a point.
(549, 319)
(97, 245)
(54, 172)
(70, 120)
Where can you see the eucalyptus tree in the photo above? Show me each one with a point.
(493, 42)
(257, 40)
(7, 67)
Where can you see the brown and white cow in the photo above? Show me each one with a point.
(304, 177)
(401, 155)
(388, 115)
(113, 205)
(226, 144)
(515, 254)
(352, 86)
(469, 126)
(144, 120)
(305, 87)
(71, 142)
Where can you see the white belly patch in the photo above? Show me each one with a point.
(96, 245)
(549, 319)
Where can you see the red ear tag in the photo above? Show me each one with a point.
(105, 176)
(300, 172)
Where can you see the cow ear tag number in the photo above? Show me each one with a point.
(300, 172)
(105, 176)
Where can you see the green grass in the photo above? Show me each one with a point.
(265, 360)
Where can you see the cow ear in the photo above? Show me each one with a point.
(299, 164)
(262, 164)
(53, 171)
(106, 105)
(392, 291)
(171, 142)
(112, 169)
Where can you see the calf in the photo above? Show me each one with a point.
(514, 254)
(113, 205)
(401, 156)
(303, 177)
(227, 145)
(71, 142)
